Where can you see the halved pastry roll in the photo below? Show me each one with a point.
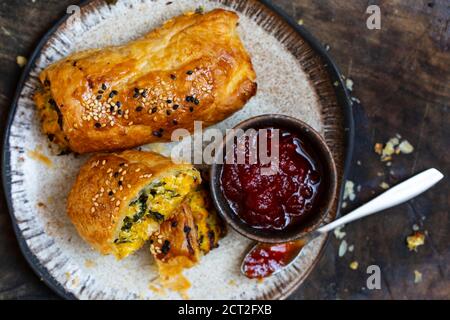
(194, 67)
(193, 230)
(119, 200)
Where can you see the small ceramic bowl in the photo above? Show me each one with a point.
(321, 206)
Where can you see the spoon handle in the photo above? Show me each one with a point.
(392, 197)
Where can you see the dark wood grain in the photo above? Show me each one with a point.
(402, 77)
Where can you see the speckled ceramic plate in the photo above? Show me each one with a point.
(295, 77)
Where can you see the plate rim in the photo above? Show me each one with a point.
(343, 99)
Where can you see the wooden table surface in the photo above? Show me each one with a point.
(401, 75)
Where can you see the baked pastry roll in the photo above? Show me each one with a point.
(194, 229)
(119, 200)
(194, 67)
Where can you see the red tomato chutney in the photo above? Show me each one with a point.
(278, 201)
(267, 259)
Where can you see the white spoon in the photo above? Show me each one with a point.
(288, 252)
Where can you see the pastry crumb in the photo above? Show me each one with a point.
(354, 265)
(417, 277)
(21, 61)
(384, 185)
(415, 240)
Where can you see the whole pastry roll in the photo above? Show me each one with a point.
(119, 201)
(194, 67)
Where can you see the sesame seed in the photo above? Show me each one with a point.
(173, 77)
(130, 123)
(137, 170)
(139, 108)
(117, 203)
(109, 170)
(136, 95)
(93, 209)
(190, 72)
(128, 186)
(104, 86)
(110, 193)
(175, 106)
(175, 122)
(154, 109)
(118, 104)
(191, 109)
(157, 134)
(168, 112)
(99, 97)
(196, 101)
(116, 174)
(98, 125)
(169, 101)
(103, 162)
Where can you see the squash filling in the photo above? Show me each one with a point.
(154, 204)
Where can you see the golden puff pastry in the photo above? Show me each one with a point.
(119, 200)
(194, 67)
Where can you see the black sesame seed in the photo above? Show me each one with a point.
(169, 101)
(111, 109)
(110, 193)
(191, 109)
(100, 91)
(136, 90)
(187, 229)
(104, 86)
(175, 122)
(50, 137)
(139, 109)
(190, 72)
(121, 164)
(116, 174)
(165, 247)
(174, 224)
(189, 98)
(99, 97)
(173, 77)
(175, 106)
(136, 95)
(196, 101)
(154, 110)
(120, 183)
(161, 129)
(145, 93)
(118, 104)
(157, 134)
(98, 125)
(47, 82)
(119, 112)
(112, 94)
(168, 112)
